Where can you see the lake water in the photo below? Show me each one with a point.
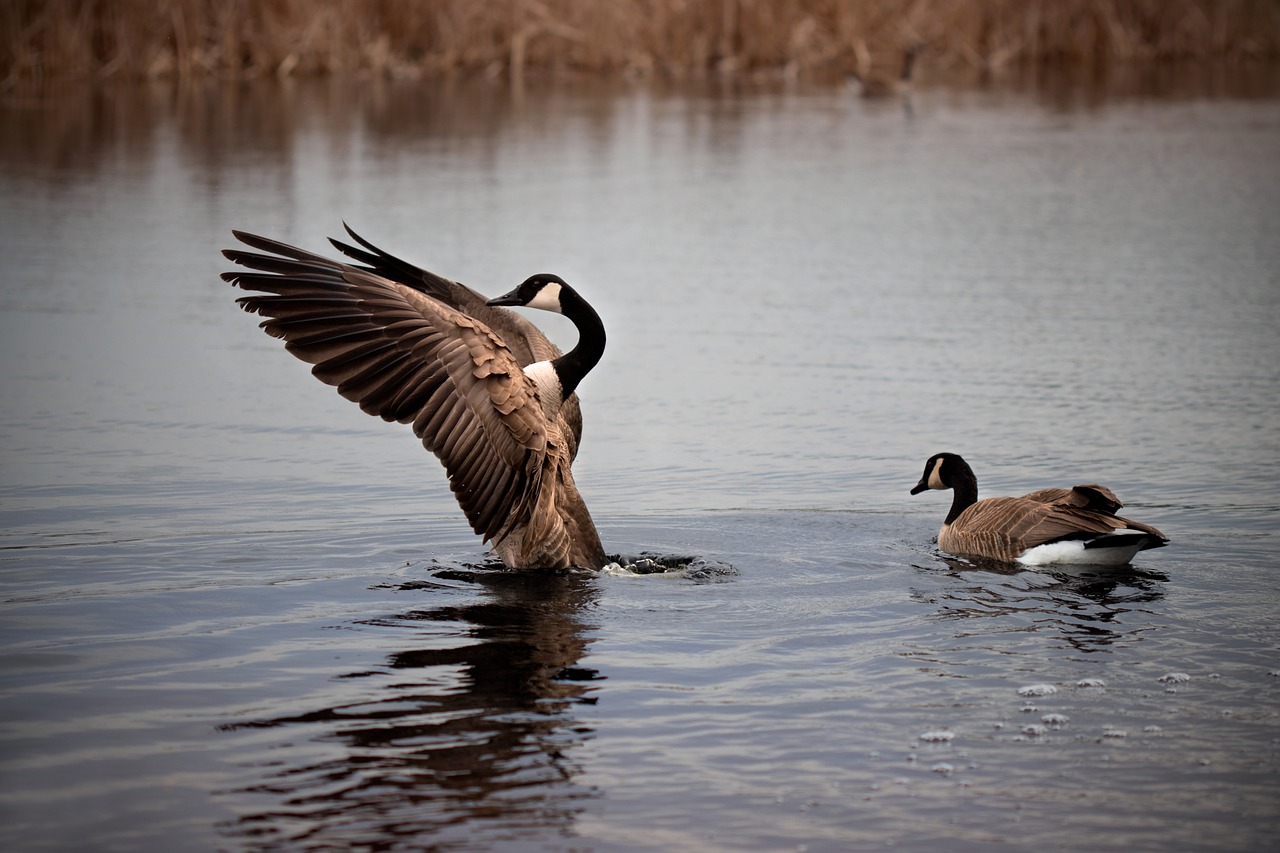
(238, 614)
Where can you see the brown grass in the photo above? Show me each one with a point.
(49, 39)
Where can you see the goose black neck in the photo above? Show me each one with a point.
(964, 485)
(577, 362)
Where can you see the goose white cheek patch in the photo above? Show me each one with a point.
(547, 299)
(935, 477)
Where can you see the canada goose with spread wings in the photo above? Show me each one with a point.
(1076, 525)
(484, 390)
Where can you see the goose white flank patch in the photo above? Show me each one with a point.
(1076, 525)
(482, 387)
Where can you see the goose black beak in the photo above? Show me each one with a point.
(505, 299)
(922, 486)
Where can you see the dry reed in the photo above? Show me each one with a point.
(47, 39)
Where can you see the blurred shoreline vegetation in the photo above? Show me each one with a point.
(51, 40)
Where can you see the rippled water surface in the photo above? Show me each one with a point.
(239, 614)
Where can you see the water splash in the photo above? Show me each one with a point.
(1037, 690)
(937, 736)
(701, 569)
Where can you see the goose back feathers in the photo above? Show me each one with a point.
(1075, 525)
(419, 349)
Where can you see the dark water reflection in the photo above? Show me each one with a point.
(460, 741)
(1085, 610)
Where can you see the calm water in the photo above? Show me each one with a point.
(238, 614)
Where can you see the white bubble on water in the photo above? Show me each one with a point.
(937, 736)
(1095, 683)
(1115, 733)
(943, 768)
(1055, 719)
(1037, 690)
(1152, 730)
(1175, 677)
(1034, 730)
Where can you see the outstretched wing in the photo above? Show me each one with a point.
(404, 356)
(525, 340)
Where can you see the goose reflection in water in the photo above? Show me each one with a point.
(1086, 607)
(463, 739)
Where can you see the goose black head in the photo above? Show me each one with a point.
(537, 291)
(940, 472)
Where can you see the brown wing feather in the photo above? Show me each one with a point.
(406, 357)
(525, 340)
(1086, 496)
(1051, 523)
(1099, 502)
(1005, 527)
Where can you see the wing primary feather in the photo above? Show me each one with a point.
(266, 244)
(416, 389)
(432, 412)
(376, 386)
(334, 355)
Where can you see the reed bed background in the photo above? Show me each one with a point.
(50, 39)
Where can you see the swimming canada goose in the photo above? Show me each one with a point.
(1076, 525)
(491, 406)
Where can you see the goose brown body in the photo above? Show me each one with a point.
(405, 355)
(1080, 520)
